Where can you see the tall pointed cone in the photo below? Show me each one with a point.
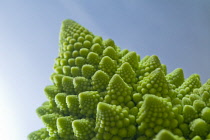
(132, 58)
(148, 65)
(84, 129)
(110, 51)
(176, 77)
(108, 65)
(49, 121)
(114, 121)
(100, 80)
(119, 93)
(101, 92)
(64, 126)
(155, 83)
(88, 101)
(155, 108)
(191, 83)
(127, 73)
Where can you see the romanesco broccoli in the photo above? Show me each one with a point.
(101, 92)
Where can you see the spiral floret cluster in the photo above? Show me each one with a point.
(100, 92)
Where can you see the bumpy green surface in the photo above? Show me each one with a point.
(100, 92)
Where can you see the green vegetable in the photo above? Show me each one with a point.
(100, 92)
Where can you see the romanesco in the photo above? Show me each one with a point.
(101, 92)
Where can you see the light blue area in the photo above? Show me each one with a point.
(177, 31)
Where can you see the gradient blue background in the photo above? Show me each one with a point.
(178, 31)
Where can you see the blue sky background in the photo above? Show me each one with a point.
(177, 31)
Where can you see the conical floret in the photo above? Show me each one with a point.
(118, 92)
(114, 122)
(176, 77)
(155, 114)
(155, 83)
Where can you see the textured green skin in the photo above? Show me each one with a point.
(100, 92)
